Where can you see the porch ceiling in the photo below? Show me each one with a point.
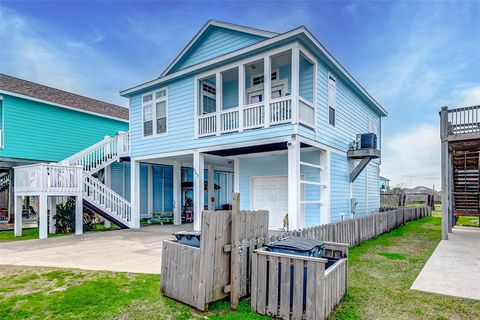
(253, 149)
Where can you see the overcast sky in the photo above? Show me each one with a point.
(413, 57)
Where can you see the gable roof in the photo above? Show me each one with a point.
(207, 27)
(60, 98)
(298, 33)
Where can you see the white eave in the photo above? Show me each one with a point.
(260, 45)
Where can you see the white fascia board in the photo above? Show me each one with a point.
(61, 105)
(220, 24)
(260, 45)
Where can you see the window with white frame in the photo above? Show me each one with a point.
(154, 107)
(209, 98)
(332, 99)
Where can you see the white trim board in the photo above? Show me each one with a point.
(62, 105)
(260, 45)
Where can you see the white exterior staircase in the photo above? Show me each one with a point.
(75, 175)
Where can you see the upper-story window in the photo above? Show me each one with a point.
(154, 107)
(332, 99)
(208, 95)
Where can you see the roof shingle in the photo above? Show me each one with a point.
(41, 92)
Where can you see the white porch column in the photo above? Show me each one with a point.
(42, 217)
(79, 214)
(52, 207)
(18, 201)
(295, 217)
(241, 95)
(295, 83)
(236, 175)
(198, 189)
(108, 182)
(135, 192)
(325, 193)
(218, 100)
(150, 189)
(211, 188)
(177, 192)
(267, 88)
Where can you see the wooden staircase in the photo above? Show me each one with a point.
(466, 183)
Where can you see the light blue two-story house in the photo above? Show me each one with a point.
(270, 115)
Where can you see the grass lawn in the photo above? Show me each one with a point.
(468, 221)
(380, 274)
(28, 234)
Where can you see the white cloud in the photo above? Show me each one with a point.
(412, 158)
(34, 51)
(470, 97)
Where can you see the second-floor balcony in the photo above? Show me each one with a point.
(461, 123)
(276, 88)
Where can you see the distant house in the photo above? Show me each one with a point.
(419, 190)
(40, 124)
(384, 184)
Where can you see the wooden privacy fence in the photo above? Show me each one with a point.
(298, 287)
(199, 276)
(359, 229)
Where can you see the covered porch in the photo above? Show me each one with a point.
(284, 175)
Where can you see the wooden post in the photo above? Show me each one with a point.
(445, 171)
(235, 258)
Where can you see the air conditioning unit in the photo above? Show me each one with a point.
(366, 141)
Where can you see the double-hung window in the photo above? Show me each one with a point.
(332, 99)
(154, 107)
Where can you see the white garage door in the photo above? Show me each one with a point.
(270, 193)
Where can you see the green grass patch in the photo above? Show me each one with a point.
(468, 221)
(381, 272)
(393, 255)
(27, 234)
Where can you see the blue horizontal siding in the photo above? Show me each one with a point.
(214, 42)
(339, 187)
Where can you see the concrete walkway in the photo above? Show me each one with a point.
(454, 267)
(138, 251)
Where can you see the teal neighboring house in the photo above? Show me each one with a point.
(384, 184)
(44, 124)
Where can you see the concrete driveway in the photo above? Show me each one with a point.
(137, 251)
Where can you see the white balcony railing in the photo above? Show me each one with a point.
(306, 112)
(49, 178)
(254, 116)
(281, 110)
(207, 125)
(229, 120)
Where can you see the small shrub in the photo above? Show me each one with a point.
(65, 217)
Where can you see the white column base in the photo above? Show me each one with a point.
(78, 215)
(295, 217)
(18, 216)
(42, 217)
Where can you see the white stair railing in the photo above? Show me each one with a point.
(106, 199)
(101, 154)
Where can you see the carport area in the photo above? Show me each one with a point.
(130, 250)
(454, 267)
